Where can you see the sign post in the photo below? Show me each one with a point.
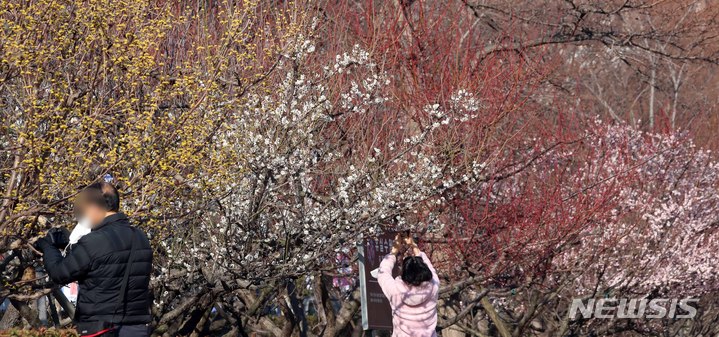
(376, 311)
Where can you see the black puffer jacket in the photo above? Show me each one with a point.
(98, 262)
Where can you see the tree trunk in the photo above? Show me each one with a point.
(10, 318)
(26, 312)
(296, 308)
(447, 312)
(494, 316)
(344, 316)
(290, 322)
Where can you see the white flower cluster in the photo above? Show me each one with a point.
(318, 173)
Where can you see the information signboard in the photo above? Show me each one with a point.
(376, 311)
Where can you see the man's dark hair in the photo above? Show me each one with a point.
(415, 271)
(104, 195)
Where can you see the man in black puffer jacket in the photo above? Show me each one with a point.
(99, 262)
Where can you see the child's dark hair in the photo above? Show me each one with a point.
(415, 271)
(104, 195)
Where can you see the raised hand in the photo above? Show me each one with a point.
(397, 245)
(409, 242)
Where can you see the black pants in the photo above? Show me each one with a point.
(140, 330)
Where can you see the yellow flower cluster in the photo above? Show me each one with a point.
(135, 89)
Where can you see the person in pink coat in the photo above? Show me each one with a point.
(413, 295)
